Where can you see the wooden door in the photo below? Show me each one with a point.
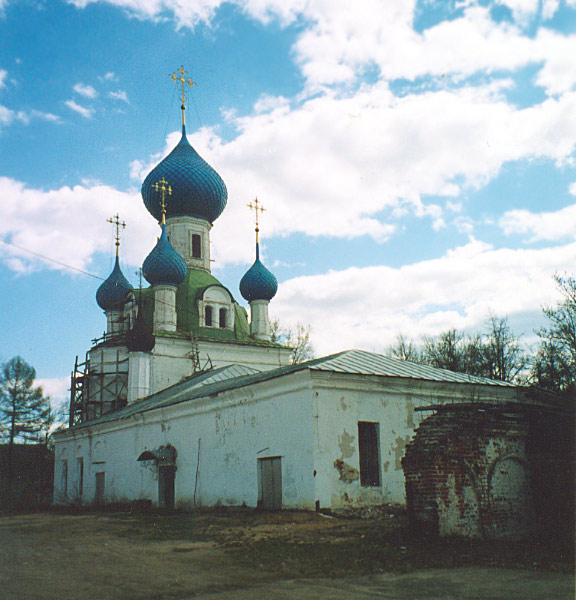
(270, 482)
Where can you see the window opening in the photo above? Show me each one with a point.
(208, 316)
(222, 317)
(65, 477)
(368, 445)
(196, 246)
(80, 477)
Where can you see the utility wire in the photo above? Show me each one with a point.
(43, 256)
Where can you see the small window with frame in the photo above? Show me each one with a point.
(196, 246)
(208, 316)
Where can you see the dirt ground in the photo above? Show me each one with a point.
(243, 554)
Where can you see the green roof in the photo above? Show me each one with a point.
(187, 318)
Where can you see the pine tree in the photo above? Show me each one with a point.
(24, 409)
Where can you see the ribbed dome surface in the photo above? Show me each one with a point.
(164, 265)
(114, 290)
(197, 190)
(258, 282)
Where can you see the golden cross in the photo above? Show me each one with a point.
(255, 207)
(164, 188)
(179, 77)
(115, 220)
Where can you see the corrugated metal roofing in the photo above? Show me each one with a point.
(359, 362)
(369, 363)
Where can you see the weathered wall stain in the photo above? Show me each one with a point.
(345, 444)
(410, 413)
(348, 473)
(399, 447)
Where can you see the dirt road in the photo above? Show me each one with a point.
(245, 555)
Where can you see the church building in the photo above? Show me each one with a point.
(186, 401)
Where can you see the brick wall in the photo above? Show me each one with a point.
(490, 471)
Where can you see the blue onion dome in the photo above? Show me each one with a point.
(112, 293)
(258, 282)
(197, 190)
(164, 266)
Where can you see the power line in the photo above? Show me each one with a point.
(48, 258)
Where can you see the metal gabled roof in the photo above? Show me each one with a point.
(368, 363)
(355, 362)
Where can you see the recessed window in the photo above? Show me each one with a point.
(368, 446)
(208, 316)
(80, 477)
(65, 477)
(196, 246)
(223, 315)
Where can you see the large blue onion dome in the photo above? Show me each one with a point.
(258, 282)
(164, 265)
(111, 294)
(197, 190)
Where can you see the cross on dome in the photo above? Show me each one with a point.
(115, 220)
(178, 77)
(164, 188)
(256, 208)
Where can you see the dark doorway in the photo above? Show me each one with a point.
(270, 482)
(100, 487)
(166, 476)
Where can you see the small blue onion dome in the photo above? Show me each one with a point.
(164, 265)
(258, 282)
(114, 290)
(197, 190)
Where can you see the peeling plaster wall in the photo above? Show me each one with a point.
(308, 418)
(341, 400)
(234, 428)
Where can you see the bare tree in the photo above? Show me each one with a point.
(404, 349)
(503, 356)
(554, 366)
(296, 338)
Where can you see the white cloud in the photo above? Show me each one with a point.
(187, 13)
(87, 113)
(345, 167)
(119, 95)
(56, 387)
(85, 90)
(109, 76)
(338, 44)
(3, 72)
(69, 225)
(541, 226)
(368, 307)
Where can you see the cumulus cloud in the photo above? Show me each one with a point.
(368, 307)
(187, 14)
(9, 116)
(69, 225)
(85, 90)
(337, 45)
(119, 95)
(3, 74)
(538, 226)
(108, 76)
(84, 111)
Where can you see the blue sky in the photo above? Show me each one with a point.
(416, 159)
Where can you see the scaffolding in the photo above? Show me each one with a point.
(99, 385)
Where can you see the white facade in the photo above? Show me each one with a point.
(302, 420)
